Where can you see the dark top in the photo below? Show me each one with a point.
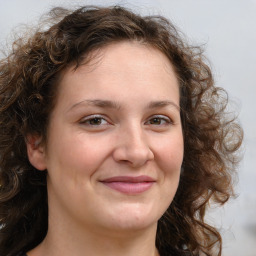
(21, 254)
(24, 254)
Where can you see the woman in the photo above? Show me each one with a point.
(114, 139)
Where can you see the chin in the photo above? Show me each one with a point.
(132, 220)
(126, 226)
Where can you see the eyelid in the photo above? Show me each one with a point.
(85, 120)
(167, 119)
(91, 117)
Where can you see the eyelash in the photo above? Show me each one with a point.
(160, 118)
(98, 118)
(89, 119)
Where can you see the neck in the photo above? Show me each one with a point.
(66, 240)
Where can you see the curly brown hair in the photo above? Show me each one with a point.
(28, 79)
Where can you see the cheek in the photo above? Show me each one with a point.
(169, 160)
(82, 153)
(170, 157)
(170, 154)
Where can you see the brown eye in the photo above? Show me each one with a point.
(155, 121)
(159, 120)
(93, 121)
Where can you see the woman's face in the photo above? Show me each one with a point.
(115, 144)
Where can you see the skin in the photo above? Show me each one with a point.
(117, 117)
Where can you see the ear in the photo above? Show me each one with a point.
(36, 152)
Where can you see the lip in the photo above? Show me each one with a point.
(129, 184)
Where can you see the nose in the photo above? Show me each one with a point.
(133, 148)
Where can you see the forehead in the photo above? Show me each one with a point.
(113, 53)
(121, 67)
(130, 54)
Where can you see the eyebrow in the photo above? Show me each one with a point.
(164, 103)
(115, 105)
(98, 103)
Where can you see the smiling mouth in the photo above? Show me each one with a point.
(129, 184)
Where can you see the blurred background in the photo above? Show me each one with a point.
(227, 31)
